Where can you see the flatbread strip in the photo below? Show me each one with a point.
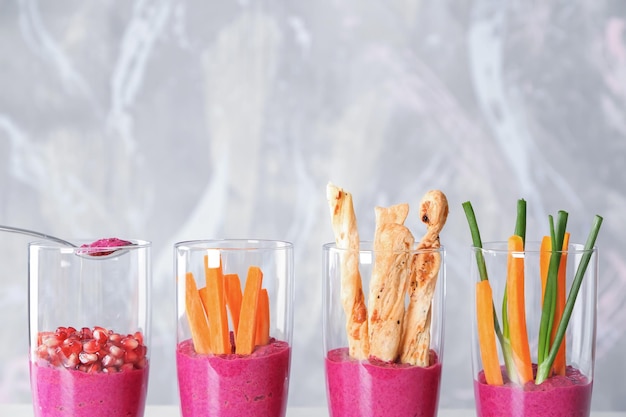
(352, 298)
(388, 285)
(415, 348)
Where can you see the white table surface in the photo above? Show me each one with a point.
(26, 410)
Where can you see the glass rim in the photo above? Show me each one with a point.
(50, 245)
(366, 246)
(234, 244)
(501, 246)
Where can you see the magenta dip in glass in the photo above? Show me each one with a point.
(559, 396)
(233, 385)
(374, 389)
(567, 391)
(89, 328)
(230, 375)
(370, 387)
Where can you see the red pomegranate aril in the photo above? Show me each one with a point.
(141, 363)
(71, 346)
(71, 361)
(116, 351)
(127, 367)
(91, 346)
(115, 338)
(131, 357)
(94, 367)
(129, 343)
(91, 350)
(87, 358)
(107, 361)
(141, 351)
(86, 333)
(101, 335)
(54, 357)
(42, 352)
(61, 333)
(51, 341)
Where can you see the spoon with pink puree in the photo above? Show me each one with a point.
(99, 249)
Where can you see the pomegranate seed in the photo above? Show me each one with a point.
(141, 351)
(115, 338)
(141, 363)
(54, 357)
(93, 368)
(86, 333)
(42, 352)
(101, 335)
(116, 351)
(61, 333)
(129, 343)
(127, 367)
(71, 361)
(91, 346)
(71, 345)
(87, 358)
(107, 361)
(51, 341)
(131, 357)
(91, 350)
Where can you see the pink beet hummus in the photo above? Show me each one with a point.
(379, 389)
(558, 396)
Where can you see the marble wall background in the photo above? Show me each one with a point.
(169, 120)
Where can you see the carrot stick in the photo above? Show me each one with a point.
(247, 320)
(486, 334)
(195, 315)
(545, 251)
(262, 336)
(232, 288)
(559, 361)
(516, 308)
(216, 308)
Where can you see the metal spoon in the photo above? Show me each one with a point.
(85, 254)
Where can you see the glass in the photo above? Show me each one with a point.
(242, 366)
(368, 386)
(566, 392)
(89, 329)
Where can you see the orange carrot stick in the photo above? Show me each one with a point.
(216, 308)
(195, 315)
(232, 288)
(516, 311)
(559, 362)
(247, 319)
(486, 335)
(262, 336)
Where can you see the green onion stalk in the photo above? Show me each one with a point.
(544, 368)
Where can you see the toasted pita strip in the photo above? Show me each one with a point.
(352, 298)
(392, 214)
(424, 272)
(392, 243)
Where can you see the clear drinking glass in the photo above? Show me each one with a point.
(89, 322)
(234, 332)
(567, 390)
(369, 387)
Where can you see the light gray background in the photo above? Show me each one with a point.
(170, 120)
